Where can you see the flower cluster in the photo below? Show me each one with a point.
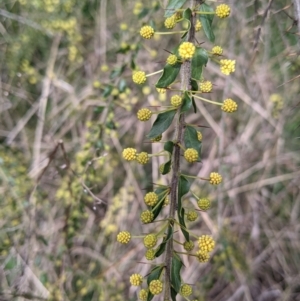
(139, 77)
(147, 32)
(229, 106)
(191, 155)
(227, 66)
(186, 50)
(206, 86)
(222, 11)
(176, 100)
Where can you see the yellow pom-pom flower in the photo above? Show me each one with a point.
(217, 50)
(202, 256)
(203, 204)
(151, 198)
(150, 254)
(176, 100)
(142, 158)
(188, 245)
(170, 22)
(144, 114)
(147, 217)
(139, 77)
(157, 139)
(129, 154)
(215, 178)
(199, 136)
(206, 86)
(227, 66)
(192, 216)
(229, 106)
(186, 290)
(198, 25)
(143, 294)
(186, 50)
(172, 59)
(206, 243)
(222, 11)
(155, 287)
(150, 241)
(191, 155)
(124, 237)
(136, 279)
(147, 32)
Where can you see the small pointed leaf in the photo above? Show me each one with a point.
(162, 122)
(175, 273)
(206, 21)
(186, 103)
(199, 60)
(172, 6)
(168, 76)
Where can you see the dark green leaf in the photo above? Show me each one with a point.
(186, 103)
(183, 188)
(206, 21)
(107, 91)
(199, 60)
(168, 76)
(162, 246)
(162, 122)
(191, 139)
(181, 219)
(116, 72)
(173, 294)
(122, 85)
(169, 145)
(143, 13)
(167, 167)
(175, 273)
(187, 16)
(172, 6)
(161, 192)
(194, 105)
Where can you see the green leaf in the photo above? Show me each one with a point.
(206, 21)
(117, 71)
(154, 274)
(122, 85)
(187, 16)
(169, 145)
(168, 76)
(173, 294)
(190, 138)
(11, 264)
(161, 192)
(162, 246)
(183, 188)
(175, 273)
(172, 6)
(186, 103)
(194, 105)
(199, 60)
(162, 122)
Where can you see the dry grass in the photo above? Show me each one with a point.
(255, 215)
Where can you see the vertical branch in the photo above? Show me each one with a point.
(185, 85)
(297, 17)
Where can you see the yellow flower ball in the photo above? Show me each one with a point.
(176, 100)
(172, 59)
(188, 245)
(129, 154)
(143, 294)
(206, 86)
(143, 158)
(227, 66)
(147, 32)
(199, 136)
(206, 243)
(191, 155)
(217, 50)
(150, 254)
(222, 11)
(202, 256)
(136, 279)
(186, 50)
(124, 237)
(229, 106)
(147, 217)
(170, 22)
(144, 114)
(139, 77)
(215, 178)
(150, 241)
(155, 287)
(151, 198)
(186, 290)
(204, 204)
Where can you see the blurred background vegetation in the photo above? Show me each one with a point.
(68, 109)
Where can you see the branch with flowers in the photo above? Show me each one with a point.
(188, 60)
